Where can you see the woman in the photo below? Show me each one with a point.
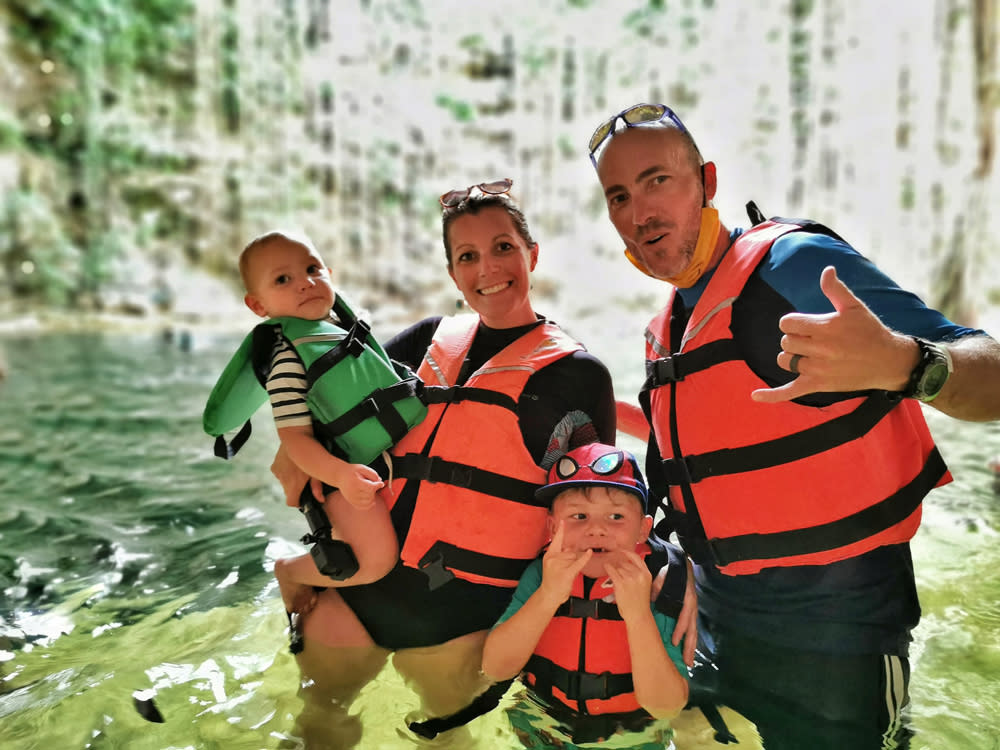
(507, 390)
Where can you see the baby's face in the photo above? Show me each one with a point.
(288, 279)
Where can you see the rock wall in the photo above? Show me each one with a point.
(129, 157)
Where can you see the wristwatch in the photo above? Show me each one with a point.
(931, 373)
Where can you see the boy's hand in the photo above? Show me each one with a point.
(632, 582)
(560, 568)
(360, 485)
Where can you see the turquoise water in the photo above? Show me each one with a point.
(133, 560)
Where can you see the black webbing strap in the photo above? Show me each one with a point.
(436, 469)
(481, 704)
(585, 728)
(379, 405)
(443, 557)
(597, 609)
(675, 367)
(227, 451)
(438, 394)
(840, 533)
(352, 345)
(809, 442)
(577, 686)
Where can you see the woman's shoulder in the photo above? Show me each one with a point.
(410, 344)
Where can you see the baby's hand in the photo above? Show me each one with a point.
(360, 485)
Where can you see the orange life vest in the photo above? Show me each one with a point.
(475, 514)
(594, 679)
(770, 485)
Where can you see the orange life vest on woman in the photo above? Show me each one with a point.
(770, 485)
(594, 679)
(475, 514)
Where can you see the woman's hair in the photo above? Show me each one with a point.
(476, 203)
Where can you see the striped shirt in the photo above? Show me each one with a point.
(286, 385)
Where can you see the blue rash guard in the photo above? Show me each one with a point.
(863, 605)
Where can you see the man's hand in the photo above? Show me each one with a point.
(847, 350)
(687, 621)
(293, 479)
(560, 568)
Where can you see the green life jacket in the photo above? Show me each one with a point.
(361, 401)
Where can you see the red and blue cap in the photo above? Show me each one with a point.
(595, 465)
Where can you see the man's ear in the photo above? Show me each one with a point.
(255, 305)
(709, 179)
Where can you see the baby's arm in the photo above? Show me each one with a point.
(659, 686)
(357, 482)
(509, 645)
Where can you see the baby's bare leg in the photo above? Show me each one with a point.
(370, 533)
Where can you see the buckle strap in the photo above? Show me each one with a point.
(817, 439)
(380, 405)
(437, 394)
(438, 562)
(352, 345)
(853, 528)
(437, 469)
(596, 609)
(676, 367)
(578, 686)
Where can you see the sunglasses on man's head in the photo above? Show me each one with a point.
(638, 114)
(498, 187)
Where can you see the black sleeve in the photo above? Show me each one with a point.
(577, 383)
(409, 345)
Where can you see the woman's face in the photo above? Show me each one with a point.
(491, 264)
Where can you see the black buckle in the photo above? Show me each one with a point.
(664, 370)
(679, 471)
(354, 342)
(432, 566)
(435, 469)
(582, 607)
(587, 687)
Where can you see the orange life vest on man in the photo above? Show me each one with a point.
(475, 514)
(597, 677)
(771, 485)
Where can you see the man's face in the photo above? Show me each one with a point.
(654, 195)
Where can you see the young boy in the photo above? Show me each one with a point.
(581, 629)
(284, 276)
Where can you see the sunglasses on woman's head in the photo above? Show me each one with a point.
(638, 114)
(498, 187)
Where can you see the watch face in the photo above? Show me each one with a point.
(935, 376)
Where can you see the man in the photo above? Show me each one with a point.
(787, 438)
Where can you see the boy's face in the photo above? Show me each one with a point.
(287, 279)
(605, 519)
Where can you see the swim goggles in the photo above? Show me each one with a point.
(595, 464)
(498, 187)
(637, 114)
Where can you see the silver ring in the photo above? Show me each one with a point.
(794, 364)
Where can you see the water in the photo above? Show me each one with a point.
(133, 560)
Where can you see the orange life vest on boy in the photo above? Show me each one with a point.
(597, 677)
(770, 485)
(475, 515)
